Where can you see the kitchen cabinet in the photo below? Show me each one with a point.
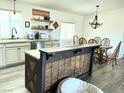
(2, 55)
(22, 52)
(49, 44)
(45, 44)
(15, 52)
(12, 55)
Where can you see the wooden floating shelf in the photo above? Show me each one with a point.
(40, 20)
(42, 29)
(40, 12)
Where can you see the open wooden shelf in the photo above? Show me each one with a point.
(38, 12)
(49, 29)
(40, 20)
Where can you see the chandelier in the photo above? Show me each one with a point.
(95, 24)
(14, 11)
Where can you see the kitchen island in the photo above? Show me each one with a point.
(45, 68)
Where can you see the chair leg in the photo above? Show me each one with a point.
(113, 62)
(116, 61)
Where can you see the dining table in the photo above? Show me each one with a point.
(103, 53)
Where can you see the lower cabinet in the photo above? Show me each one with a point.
(44, 44)
(22, 53)
(15, 52)
(12, 55)
(49, 44)
(2, 56)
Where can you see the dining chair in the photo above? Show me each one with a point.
(82, 41)
(105, 42)
(98, 39)
(75, 40)
(113, 57)
(92, 41)
(96, 52)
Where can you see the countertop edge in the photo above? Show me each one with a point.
(25, 41)
(60, 49)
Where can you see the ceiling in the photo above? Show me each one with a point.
(81, 7)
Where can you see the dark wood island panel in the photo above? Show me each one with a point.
(43, 71)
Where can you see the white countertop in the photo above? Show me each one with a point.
(59, 49)
(4, 41)
(36, 53)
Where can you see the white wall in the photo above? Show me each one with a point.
(113, 27)
(58, 16)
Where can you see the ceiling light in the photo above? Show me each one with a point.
(14, 11)
(95, 24)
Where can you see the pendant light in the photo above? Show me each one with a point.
(95, 24)
(14, 11)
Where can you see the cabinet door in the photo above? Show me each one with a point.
(12, 55)
(2, 57)
(22, 52)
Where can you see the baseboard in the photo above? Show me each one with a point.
(121, 58)
(12, 65)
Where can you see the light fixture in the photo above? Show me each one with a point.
(14, 11)
(95, 24)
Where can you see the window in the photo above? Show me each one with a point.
(67, 31)
(7, 21)
(4, 23)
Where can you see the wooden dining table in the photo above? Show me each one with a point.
(103, 55)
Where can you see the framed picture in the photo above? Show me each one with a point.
(27, 24)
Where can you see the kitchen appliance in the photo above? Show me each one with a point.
(37, 35)
(42, 35)
(46, 18)
(30, 36)
(36, 45)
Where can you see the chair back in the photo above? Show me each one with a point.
(98, 39)
(92, 41)
(105, 42)
(82, 41)
(117, 49)
(75, 40)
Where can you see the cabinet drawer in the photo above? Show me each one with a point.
(56, 45)
(47, 43)
(56, 41)
(17, 44)
(51, 42)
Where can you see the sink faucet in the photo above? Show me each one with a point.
(13, 29)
